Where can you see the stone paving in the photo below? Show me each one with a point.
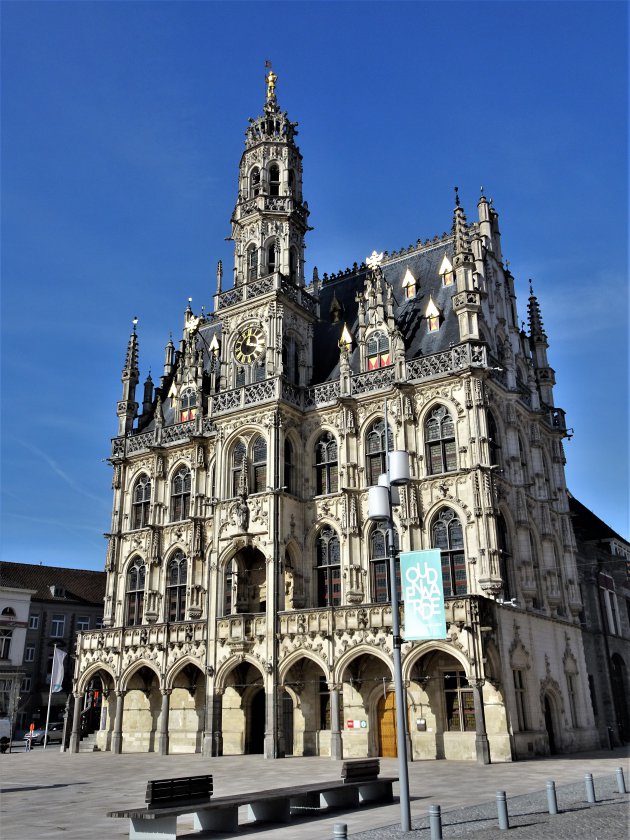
(46, 794)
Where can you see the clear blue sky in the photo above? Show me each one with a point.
(122, 129)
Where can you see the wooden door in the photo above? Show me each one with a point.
(387, 726)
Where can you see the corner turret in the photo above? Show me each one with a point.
(127, 408)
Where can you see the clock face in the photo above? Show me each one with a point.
(250, 344)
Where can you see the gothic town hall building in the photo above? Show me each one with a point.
(248, 598)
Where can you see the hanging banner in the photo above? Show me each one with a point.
(423, 594)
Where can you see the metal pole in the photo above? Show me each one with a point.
(435, 822)
(552, 800)
(49, 696)
(590, 787)
(621, 782)
(340, 831)
(502, 810)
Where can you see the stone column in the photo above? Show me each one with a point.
(216, 746)
(163, 723)
(482, 746)
(118, 723)
(336, 743)
(75, 737)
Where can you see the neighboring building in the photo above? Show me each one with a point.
(604, 573)
(14, 612)
(248, 596)
(63, 603)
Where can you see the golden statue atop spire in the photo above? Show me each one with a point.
(271, 80)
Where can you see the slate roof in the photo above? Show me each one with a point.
(81, 586)
(588, 526)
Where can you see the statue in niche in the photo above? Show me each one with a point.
(242, 513)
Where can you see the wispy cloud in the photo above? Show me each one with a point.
(68, 524)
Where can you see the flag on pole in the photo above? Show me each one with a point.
(56, 678)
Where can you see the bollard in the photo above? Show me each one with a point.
(435, 822)
(621, 782)
(551, 797)
(504, 822)
(340, 831)
(590, 787)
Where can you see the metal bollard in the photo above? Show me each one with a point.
(340, 831)
(551, 797)
(502, 810)
(590, 787)
(621, 782)
(435, 822)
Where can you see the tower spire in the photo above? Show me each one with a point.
(545, 375)
(128, 407)
(460, 230)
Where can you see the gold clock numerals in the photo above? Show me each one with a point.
(250, 344)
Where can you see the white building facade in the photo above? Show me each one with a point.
(248, 596)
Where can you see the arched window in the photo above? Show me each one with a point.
(439, 433)
(141, 503)
(379, 566)
(9, 611)
(494, 444)
(238, 464)
(378, 351)
(460, 707)
(259, 464)
(5, 643)
(505, 558)
(293, 265)
(537, 602)
(291, 180)
(376, 451)
(326, 465)
(291, 360)
(177, 574)
(274, 179)
(271, 257)
(254, 182)
(135, 592)
(188, 404)
(230, 578)
(523, 461)
(448, 536)
(252, 262)
(328, 569)
(180, 495)
(289, 468)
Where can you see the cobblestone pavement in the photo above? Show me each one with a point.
(47, 794)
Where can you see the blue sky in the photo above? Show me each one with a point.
(122, 129)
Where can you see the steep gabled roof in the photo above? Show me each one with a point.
(81, 586)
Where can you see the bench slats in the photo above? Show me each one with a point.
(164, 792)
(360, 769)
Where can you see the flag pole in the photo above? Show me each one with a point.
(52, 670)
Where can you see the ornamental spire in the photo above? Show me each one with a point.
(460, 229)
(536, 328)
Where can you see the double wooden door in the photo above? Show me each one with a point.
(387, 726)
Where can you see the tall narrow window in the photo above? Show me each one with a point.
(520, 697)
(291, 360)
(274, 179)
(230, 579)
(460, 710)
(238, 464)
(135, 592)
(523, 461)
(537, 602)
(505, 557)
(378, 354)
(291, 181)
(259, 464)
(188, 405)
(180, 495)
(271, 258)
(376, 451)
(494, 444)
(177, 573)
(448, 536)
(57, 625)
(571, 691)
(252, 262)
(379, 566)
(141, 503)
(328, 569)
(326, 465)
(254, 182)
(439, 432)
(293, 265)
(5, 643)
(289, 468)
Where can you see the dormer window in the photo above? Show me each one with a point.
(274, 179)
(378, 351)
(188, 405)
(409, 285)
(432, 314)
(254, 182)
(58, 591)
(446, 271)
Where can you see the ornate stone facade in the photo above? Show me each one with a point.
(248, 597)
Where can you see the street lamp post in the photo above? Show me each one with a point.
(380, 500)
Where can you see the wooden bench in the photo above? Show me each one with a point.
(159, 822)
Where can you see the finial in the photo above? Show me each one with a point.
(481, 191)
(271, 80)
(531, 288)
(456, 196)
(135, 323)
(374, 260)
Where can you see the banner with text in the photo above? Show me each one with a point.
(423, 594)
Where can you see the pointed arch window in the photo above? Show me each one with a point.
(328, 569)
(447, 535)
(379, 566)
(135, 592)
(446, 271)
(326, 465)
(439, 433)
(271, 257)
(537, 602)
(188, 405)
(274, 179)
(254, 182)
(259, 464)
(378, 354)
(291, 180)
(376, 451)
(141, 503)
(505, 557)
(523, 461)
(293, 264)
(291, 360)
(177, 574)
(494, 443)
(409, 285)
(238, 466)
(289, 468)
(252, 262)
(180, 495)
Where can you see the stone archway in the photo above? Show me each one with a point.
(186, 706)
(245, 582)
(141, 710)
(366, 678)
(242, 721)
(305, 709)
